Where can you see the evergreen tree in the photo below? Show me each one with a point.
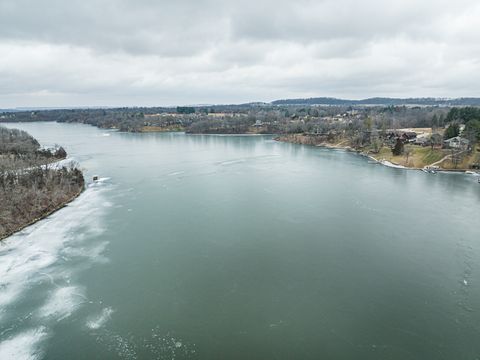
(452, 131)
(398, 148)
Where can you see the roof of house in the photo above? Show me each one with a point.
(457, 139)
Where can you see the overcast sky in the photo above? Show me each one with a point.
(157, 52)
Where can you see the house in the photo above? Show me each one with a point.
(409, 136)
(456, 142)
(405, 136)
(422, 141)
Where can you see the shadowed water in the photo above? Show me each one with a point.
(239, 247)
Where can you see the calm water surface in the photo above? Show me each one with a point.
(237, 247)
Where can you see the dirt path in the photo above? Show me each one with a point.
(439, 161)
(443, 159)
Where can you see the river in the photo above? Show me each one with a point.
(240, 247)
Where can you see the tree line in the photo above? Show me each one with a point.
(267, 118)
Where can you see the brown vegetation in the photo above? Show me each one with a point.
(29, 188)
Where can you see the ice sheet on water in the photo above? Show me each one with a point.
(26, 254)
(95, 322)
(94, 253)
(99, 183)
(63, 302)
(24, 346)
(35, 256)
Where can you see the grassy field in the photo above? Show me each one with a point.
(463, 161)
(418, 158)
(423, 156)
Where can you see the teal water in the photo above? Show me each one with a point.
(239, 247)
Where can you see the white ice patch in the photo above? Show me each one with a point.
(24, 346)
(99, 183)
(389, 164)
(95, 253)
(8, 293)
(63, 303)
(28, 254)
(63, 163)
(97, 321)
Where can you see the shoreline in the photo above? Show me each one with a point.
(370, 156)
(46, 214)
(284, 138)
(324, 145)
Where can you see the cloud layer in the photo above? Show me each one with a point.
(125, 52)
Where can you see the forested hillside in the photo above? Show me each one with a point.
(31, 185)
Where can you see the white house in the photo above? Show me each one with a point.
(456, 142)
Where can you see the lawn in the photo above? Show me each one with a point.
(418, 158)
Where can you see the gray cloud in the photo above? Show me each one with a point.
(125, 52)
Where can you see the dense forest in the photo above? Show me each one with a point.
(31, 185)
(256, 118)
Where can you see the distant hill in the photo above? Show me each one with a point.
(381, 101)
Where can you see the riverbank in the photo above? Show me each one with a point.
(415, 158)
(252, 130)
(34, 182)
(47, 212)
(146, 129)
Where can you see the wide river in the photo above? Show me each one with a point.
(240, 247)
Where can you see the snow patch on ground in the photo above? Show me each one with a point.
(389, 164)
